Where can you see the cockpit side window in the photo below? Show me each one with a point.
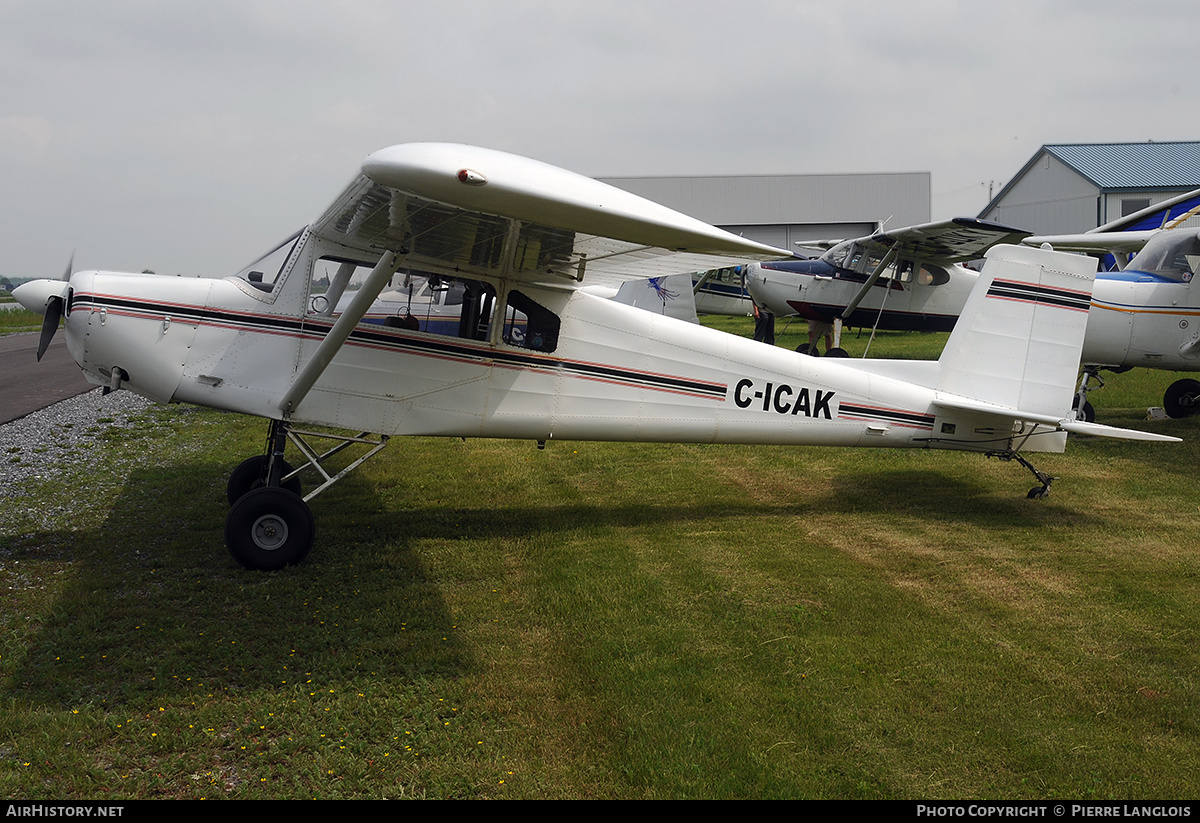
(529, 324)
(413, 300)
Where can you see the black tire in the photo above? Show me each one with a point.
(1182, 398)
(812, 351)
(1089, 413)
(836, 352)
(248, 475)
(268, 529)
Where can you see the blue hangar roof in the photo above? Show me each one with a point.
(1133, 165)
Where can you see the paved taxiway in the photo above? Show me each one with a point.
(27, 385)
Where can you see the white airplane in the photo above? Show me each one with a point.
(901, 280)
(1145, 314)
(722, 291)
(522, 239)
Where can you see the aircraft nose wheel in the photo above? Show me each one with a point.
(269, 528)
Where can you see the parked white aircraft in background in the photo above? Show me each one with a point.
(521, 238)
(722, 291)
(901, 280)
(1147, 313)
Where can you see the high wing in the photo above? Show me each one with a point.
(1126, 235)
(485, 213)
(944, 242)
(471, 212)
(1122, 242)
(1165, 215)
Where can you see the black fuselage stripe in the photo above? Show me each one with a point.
(432, 346)
(887, 415)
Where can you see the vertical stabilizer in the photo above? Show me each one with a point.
(1017, 343)
(670, 295)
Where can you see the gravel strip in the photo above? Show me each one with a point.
(39, 444)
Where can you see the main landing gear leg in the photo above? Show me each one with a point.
(269, 524)
(1037, 492)
(1083, 409)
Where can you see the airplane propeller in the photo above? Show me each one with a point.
(46, 297)
(54, 308)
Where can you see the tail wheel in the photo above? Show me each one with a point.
(1182, 398)
(269, 528)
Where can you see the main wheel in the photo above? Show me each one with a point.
(837, 352)
(1089, 413)
(1182, 398)
(269, 528)
(248, 475)
(805, 348)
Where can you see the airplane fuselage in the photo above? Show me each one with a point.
(1140, 320)
(616, 372)
(817, 290)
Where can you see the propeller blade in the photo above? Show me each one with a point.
(54, 307)
(70, 268)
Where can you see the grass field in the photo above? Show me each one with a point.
(481, 619)
(19, 320)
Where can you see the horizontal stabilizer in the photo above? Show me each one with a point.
(1099, 430)
(948, 404)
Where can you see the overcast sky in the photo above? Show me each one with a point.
(189, 137)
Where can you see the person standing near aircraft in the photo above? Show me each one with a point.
(764, 325)
(816, 330)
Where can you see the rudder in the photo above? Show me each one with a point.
(1018, 340)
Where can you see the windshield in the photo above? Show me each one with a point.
(1170, 254)
(264, 271)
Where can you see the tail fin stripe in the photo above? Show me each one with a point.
(1031, 293)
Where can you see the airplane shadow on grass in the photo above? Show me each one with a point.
(155, 604)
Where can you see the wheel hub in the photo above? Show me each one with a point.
(269, 532)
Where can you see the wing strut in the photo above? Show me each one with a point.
(703, 281)
(862, 292)
(342, 327)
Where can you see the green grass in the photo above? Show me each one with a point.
(481, 619)
(887, 344)
(19, 320)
